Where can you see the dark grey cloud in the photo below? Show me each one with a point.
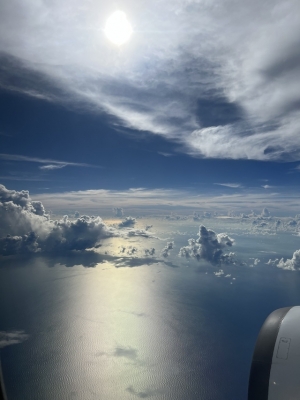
(209, 247)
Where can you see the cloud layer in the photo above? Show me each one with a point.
(216, 77)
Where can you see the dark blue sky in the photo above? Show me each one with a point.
(125, 158)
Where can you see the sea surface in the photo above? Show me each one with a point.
(160, 331)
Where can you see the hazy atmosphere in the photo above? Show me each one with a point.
(149, 194)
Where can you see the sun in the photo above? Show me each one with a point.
(118, 29)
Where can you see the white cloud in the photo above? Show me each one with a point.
(219, 273)
(118, 211)
(209, 247)
(166, 250)
(231, 185)
(265, 213)
(51, 164)
(213, 76)
(25, 227)
(50, 167)
(102, 199)
(292, 264)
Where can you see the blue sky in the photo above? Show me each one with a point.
(202, 95)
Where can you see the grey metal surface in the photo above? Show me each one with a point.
(284, 381)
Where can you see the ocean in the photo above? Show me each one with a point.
(159, 331)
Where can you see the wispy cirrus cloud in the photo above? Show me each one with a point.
(267, 186)
(230, 95)
(50, 164)
(50, 167)
(230, 185)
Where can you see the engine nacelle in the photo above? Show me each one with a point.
(275, 369)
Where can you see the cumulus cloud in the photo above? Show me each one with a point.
(219, 273)
(26, 228)
(292, 264)
(127, 222)
(265, 213)
(209, 247)
(273, 263)
(13, 337)
(166, 250)
(139, 232)
(118, 211)
(150, 252)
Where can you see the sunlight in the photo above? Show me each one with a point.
(118, 29)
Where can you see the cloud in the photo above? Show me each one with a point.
(219, 273)
(234, 95)
(51, 164)
(118, 211)
(230, 185)
(265, 213)
(95, 200)
(140, 232)
(150, 252)
(209, 247)
(128, 221)
(13, 337)
(50, 167)
(26, 228)
(292, 264)
(166, 250)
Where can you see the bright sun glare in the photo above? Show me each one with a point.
(118, 29)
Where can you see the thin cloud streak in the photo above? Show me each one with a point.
(50, 167)
(53, 164)
(230, 185)
(151, 199)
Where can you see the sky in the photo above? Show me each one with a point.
(202, 100)
(176, 147)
